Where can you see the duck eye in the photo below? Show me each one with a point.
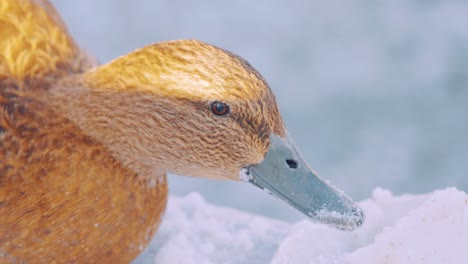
(219, 108)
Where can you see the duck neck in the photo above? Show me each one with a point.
(116, 118)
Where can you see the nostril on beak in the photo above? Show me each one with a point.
(291, 163)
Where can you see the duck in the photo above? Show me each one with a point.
(85, 148)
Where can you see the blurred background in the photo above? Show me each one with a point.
(375, 93)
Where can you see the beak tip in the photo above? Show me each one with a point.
(347, 219)
(356, 218)
(359, 216)
(353, 220)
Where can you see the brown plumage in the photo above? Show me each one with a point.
(84, 151)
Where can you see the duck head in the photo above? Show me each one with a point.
(190, 108)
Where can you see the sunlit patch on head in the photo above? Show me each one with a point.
(183, 69)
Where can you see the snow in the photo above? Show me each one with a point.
(430, 228)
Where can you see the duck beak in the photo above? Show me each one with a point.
(284, 174)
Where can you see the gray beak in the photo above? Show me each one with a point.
(284, 174)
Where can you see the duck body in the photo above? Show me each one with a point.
(63, 196)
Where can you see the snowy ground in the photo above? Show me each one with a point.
(431, 228)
